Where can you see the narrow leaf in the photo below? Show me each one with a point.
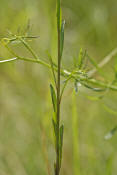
(93, 88)
(52, 67)
(61, 142)
(80, 59)
(111, 133)
(53, 96)
(62, 37)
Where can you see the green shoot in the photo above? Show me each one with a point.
(78, 75)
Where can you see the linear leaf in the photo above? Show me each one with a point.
(62, 37)
(93, 88)
(80, 58)
(61, 142)
(52, 67)
(53, 96)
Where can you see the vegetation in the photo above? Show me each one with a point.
(87, 78)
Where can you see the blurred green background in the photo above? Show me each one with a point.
(26, 136)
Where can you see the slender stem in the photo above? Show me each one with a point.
(29, 48)
(65, 84)
(66, 73)
(63, 72)
(58, 90)
(57, 169)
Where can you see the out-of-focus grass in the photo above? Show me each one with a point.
(26, 141)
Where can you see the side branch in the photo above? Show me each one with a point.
(66, 73)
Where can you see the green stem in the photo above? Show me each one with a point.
(63, 72)
(66, 73)
(57, 170)
(29, 48)
(65, 84)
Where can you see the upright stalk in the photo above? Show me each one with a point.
(58, 90)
